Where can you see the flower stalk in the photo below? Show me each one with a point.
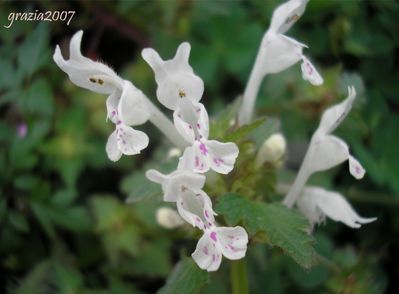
(239, 277)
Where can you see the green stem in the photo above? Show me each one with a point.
(239, 277)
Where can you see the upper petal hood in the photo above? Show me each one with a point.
(84, 72)
(285, 15)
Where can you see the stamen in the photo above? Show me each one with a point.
(100, 81)
(182, 94)
(93, 80)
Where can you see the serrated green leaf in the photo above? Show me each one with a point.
(186, 278)
(283, 227)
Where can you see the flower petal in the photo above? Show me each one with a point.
(285, 15)
(334, 115)
(131, 141)
(207, 254)
(194, 158)
(336, 207)
(355, 168)
(279, 52)
(179, 84)
(175, 77)
(199, 119)
(155, 176)
(112, 106)
(195, 208)
(325, 152)
(233, 242)
(222, 156)
(112, 148)
(132, 108)
(86, 73)
(309, 72)
(180, 181)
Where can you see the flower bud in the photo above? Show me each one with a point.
(272, 150)
(168, 218)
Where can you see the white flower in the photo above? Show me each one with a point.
(272, 149)
(126, 105)
(278, 52)
(191, 121)
(325, 150)
(168, 218)
(185, 188)
(218, 241)
(84, 72)
(124, 140)
(175, 77)
(317, 203)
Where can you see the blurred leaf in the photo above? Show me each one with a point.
(18, 220)
(33, 53)
(283, 227)
(244, 130)
(38, 280)
(186, 278)
(138, 187)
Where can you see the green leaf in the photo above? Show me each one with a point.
(244, 130)
(283, 227)
(34, 52)
(138, 187)
(19, 221)
(186, 278)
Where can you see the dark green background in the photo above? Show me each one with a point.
(64, 224)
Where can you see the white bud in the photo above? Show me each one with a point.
(174, 152)
(168, 218)
(272, 149)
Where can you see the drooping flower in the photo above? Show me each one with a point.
(278, 52)
(175, 77)
(191, 121)
(317, 204)
(217, 241)
(185, 188)
(326, 151)
(126, 105)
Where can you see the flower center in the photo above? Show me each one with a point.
(182, 93)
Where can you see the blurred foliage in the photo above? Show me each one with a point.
(64, 224)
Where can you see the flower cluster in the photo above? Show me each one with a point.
(278, 52)
(180, 90)
(327, 151)
(126, 105)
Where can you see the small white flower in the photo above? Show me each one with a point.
(175, 77)
(84, 72)
(325, 150)
(168, 218)
(272, 149)
(191, 121)
(126, 105)
(317, 203)
(218, 241)
(185, 188)
(279, 52)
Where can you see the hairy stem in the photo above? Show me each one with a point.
(298, 184)
(247, 107)
(159, 119)
(239, 277)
